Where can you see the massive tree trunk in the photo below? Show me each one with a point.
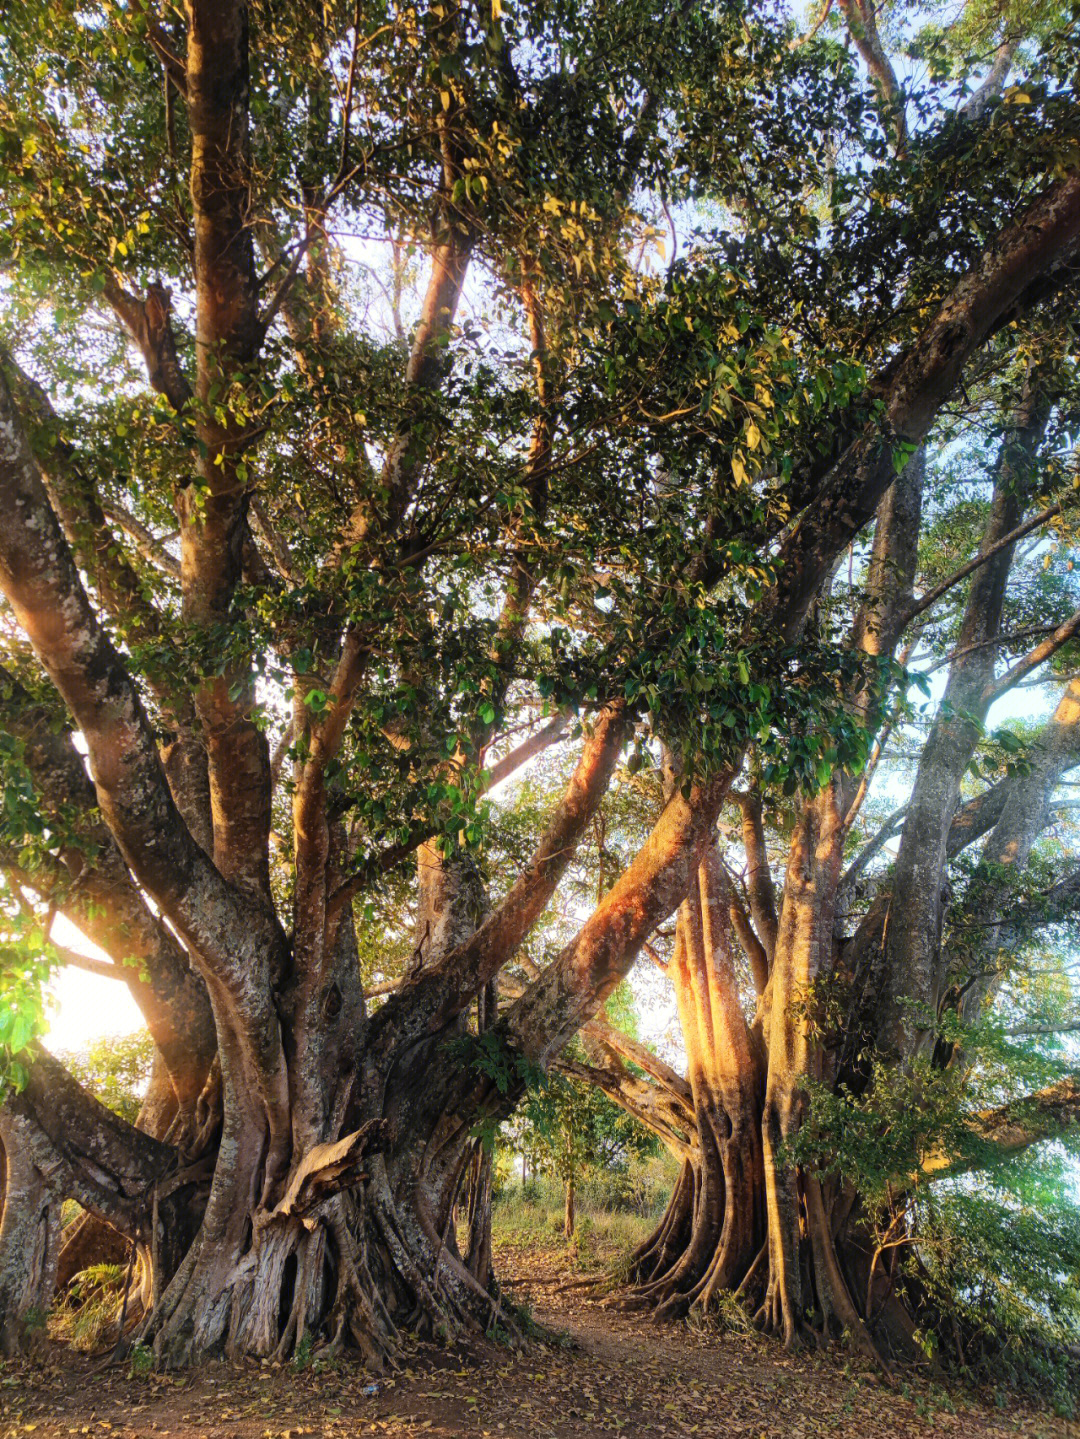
(713, 1227)
(746, 1216)
(742, 1217)
(29, 1239)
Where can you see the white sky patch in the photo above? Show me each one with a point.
(86, 1007)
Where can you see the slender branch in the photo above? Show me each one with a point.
(103, 968)
(264, 527)
(1035, 657)
(528, 749)
(800, 40)
(652, 953)
(865, 855)
(862, 26)
(1019, 1031)
(932, 596)
(316, 212)
(175, 69)
(148, 545)
(395, 854)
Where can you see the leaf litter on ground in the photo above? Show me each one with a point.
(599, 1371)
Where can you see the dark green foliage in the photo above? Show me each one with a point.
(988, 1260)
(490, 1055)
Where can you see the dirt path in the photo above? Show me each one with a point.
(612, 1374)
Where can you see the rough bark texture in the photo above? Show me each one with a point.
(29, 1239)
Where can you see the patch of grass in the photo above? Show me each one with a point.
(524, 1218)
(726, 1315)
(90, 1307)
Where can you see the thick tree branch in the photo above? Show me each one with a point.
(528, 749)
(975, 106)
(213, 514)
(149, 324)
(92, 885)
(430, 1001)
(108, 1165)
(606, 1035)
(759, 882)
(1027, 257)
(236, 941)
(669, 1116)
(998, 1133)
(102, 968)
(569, 991)
(73, 495)
(1032, 1030)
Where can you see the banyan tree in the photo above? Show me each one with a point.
(390, 393)
(815, 955)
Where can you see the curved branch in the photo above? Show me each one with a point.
(235, 939)
(108, 1165)
(148, 545)
(91, 884)
(1027, 259)
(438, 994)
(670, 1118)
(73, 495)
(997, 1133)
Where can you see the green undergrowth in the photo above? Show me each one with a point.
(85, 1316)
(532, 1216)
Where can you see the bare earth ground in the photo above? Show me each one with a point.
(612, 1373)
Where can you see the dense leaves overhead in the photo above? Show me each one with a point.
(687, 395)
